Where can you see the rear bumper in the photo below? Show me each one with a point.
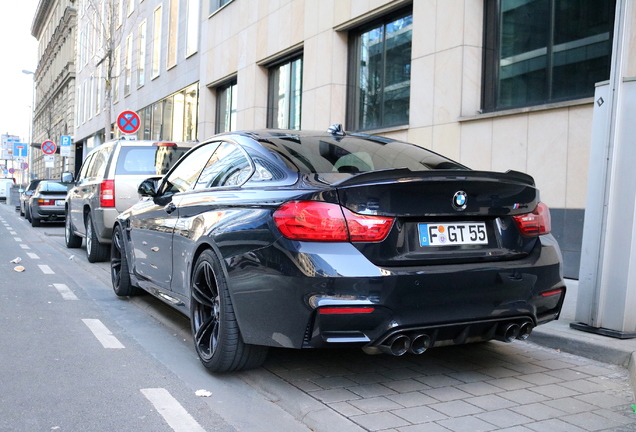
(104, 220)
(280, 291)
(46, 213)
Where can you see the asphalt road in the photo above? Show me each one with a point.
(74, 357)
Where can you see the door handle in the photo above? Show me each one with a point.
(170, 208)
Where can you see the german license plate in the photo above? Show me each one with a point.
(59, 202)
(451, 234)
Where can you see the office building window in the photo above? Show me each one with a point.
(192, 31)
(226, 99)
(173, 118)
(117, 73)
(543, 51)
(380, 73)
(141, 53)
(156, 43)
(98, 90)
(217, 4)
(285, 94)
(173, 22)
(128, 66)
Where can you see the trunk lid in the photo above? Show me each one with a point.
(443, 216)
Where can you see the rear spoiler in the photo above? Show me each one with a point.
(392, 175)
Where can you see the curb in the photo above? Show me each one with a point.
(559, 335)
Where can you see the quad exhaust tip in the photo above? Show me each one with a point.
(417, 343)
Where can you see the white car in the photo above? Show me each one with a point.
(5, 187)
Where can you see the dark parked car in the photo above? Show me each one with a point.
(25, 194)
(47, 202)
(308, 240)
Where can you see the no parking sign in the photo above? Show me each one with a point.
(128, 122)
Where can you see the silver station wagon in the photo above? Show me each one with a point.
(107, 185)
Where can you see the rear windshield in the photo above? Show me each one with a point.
(355, 154)
(54, 187)
(148, 160)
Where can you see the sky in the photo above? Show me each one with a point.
(18, 51)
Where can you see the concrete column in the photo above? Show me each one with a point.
(607, 285)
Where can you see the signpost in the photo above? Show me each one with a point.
(128, 122)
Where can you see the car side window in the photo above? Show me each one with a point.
(98, 165)
(228, 166)
(85, 168)
(188, 169)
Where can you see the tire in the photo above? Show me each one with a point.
(217, 338)
(35, 222)
(95, 251)
(119, 272)
(27, 214)
(72, 241)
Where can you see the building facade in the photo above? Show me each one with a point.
(494, 84)
(137, 56)
(54, 27)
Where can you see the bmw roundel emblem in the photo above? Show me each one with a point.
(460, 200)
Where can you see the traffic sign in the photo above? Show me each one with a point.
(49, 147)
(24, 165)
(11, 170)
(128, 122)
(65, 145)
(19, 150)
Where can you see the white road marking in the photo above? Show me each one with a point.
(13, 233)
(18, 239)
(23, 246)
(66, 292)
(46, 269)
(171, 410)
(32, 255)
(103, 334)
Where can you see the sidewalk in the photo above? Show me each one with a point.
(559, 335)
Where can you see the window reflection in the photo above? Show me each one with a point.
(383, 74)
(285, 94)
(547, 50)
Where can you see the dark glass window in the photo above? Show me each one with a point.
(185, 174)
(285, 94)
(380, 73)
(228, 166)
(226, 107)
(542, 51)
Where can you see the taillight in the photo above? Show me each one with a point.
(535, 223)
(320, 221)
(345, 310)
(107, 193)
(46, 202)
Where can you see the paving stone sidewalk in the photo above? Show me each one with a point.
(492, 386)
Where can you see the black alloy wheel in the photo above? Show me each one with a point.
(119, 273)
(217, 337)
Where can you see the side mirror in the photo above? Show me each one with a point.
(67, 177)
(29, 193)
(148, 187)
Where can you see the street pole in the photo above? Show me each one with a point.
(29, 148)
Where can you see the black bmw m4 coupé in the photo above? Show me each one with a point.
(299, 239)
